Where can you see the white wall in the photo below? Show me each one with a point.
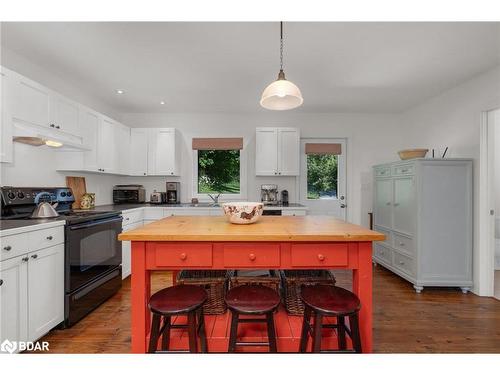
(372, 139)
(453, 119)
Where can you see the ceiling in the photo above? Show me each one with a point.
(224, 67)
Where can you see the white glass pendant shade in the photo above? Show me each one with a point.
(281, 95)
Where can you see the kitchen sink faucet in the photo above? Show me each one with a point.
(215, 198)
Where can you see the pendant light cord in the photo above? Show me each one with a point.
(281, 45)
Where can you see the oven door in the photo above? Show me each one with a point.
(92, 249)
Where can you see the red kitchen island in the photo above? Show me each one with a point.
(274, 242)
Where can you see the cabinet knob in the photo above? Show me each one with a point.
(343, 205)
(1, 282)
(396, 204)
(252, 257)
(25, 259)
(8, 248)
(279, 172)
(34, 256)
(58, 127)
(127, 218)
(52, 126)
(401, 244)
(388, 203)
(321, 257)
(144, 173)
(50, 238)
(183, 256)
(402, 263)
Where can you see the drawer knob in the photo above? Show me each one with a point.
(402, 263)
(183, 256)
(252, 257)
(321, 257)
(401, 244)
(388, 203)
(127, 218)
(8, 248)
(50, 238)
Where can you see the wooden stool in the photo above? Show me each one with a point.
(178, 300)
(327, 300)
(252, 300)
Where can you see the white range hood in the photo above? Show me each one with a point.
(36, 135)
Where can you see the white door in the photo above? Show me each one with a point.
(106, 153)
(288, 152)
(266, 152)
(14, 299)
(65, 114)
(138, 152)
(89, 129)
(323, 180)
(31, 102)
(5, 117)
(404, 212)
(383, 202)
(162, 155)
(45, 290)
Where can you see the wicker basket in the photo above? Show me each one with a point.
(269, 278)
(292, 281)
(214, 282)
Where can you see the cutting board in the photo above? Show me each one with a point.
(78, 187)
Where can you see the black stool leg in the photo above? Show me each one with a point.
(154, 334)
(193, 345)
(201, 331)
(355, 337)
(318, 324)
(271, 333)
(165, 339)
(234, 332)
(304, 336)
(341, 333)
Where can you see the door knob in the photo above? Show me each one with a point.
(343, 205)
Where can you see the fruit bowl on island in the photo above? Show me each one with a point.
(243, 212)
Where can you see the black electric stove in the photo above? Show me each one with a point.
(93, 254)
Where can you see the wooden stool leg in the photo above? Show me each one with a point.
(201, 331)
(234, 332)
(356, 339)
(304, 336)
(318, 324)
(165, 339)
(271, 333)
(341, 333)
(193, 345)
(154, 334)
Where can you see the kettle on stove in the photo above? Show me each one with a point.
(45, 210)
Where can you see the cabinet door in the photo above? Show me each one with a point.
(89, 129)
(162, 152)
(288, 152)
(31, 102)
(122, 141)
(138, 152)
(404, 211)
(106, 151)
(6, 96)
(13, 300)
(45, 290)
(383, 202)
(266, 152)
(65, 114)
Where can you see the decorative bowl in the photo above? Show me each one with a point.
(413, 153)
(243, 212)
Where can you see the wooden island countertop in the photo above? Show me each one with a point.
(268, 228)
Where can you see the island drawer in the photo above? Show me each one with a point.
(310, 255)
(183, 255)
(251, 255)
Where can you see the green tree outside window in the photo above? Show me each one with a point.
(321, 176)
(219, 171)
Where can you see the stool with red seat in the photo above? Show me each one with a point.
(327, 300)
(252, 300)
(173, 301)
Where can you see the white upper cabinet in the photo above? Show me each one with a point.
(89, 129)
(107, 147)
(31, 102)
(138, 152)
(277, 152)
(163, 152)
(5, 116)
(383, 202)
(122, 141)
(65, 114)
(404, 210)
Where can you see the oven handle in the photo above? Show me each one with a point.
(96, 222)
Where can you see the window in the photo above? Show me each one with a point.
(218, 171)
(322, 176)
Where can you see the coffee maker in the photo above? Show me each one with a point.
(269, 194)
(173, 193)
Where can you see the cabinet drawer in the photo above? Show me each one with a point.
(402, 170)
(183, 255)
(293, 212)
(41, 239)
(132, 217)
(383, 171)
(153, 213)
(13, 246)
(382, 253)
(387, 233)
(403, 263)
(309, 255)
(403, 243)
(243, 255)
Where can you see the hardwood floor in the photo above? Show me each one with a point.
(440, 320)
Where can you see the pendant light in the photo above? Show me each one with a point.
(281, 94)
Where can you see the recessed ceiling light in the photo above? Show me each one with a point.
(120, 92)
(162, 102)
